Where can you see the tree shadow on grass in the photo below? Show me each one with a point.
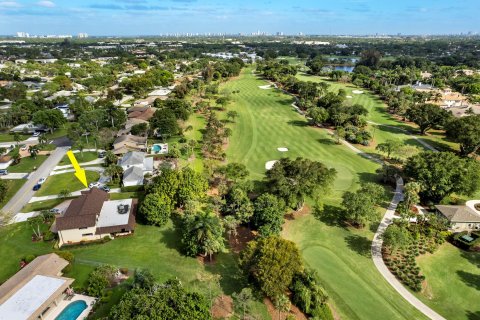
(473, 315)
(470, 279)
(171, 238)
(374, 226)
(359, 244)
(326, 141)
(330, 215)
(472, 257)
(298, 123)
(231, 277)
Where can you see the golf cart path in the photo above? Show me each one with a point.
(376, 247)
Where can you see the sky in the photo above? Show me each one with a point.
(156, 17)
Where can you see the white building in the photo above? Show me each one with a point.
(135, 166)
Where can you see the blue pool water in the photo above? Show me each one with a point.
(156, 148)
(72, 311)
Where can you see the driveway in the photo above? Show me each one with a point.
(23, 196)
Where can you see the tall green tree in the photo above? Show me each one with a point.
(295, 180)
(271, 263)
(268, 214)
(428, 116)
(465, 131)
(156, 209)
(442, 173)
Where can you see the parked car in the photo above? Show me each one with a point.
(41, 180)
(36, 187)
(23, 147)
(94, 185)
(102, 154)
(37, 134)
(3, 172)
(55, 210)
(105, 188)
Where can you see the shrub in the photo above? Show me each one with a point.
(67, 255)
(29, 258)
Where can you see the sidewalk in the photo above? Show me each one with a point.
(73, 194)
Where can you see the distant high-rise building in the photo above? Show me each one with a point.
(22, 35)
(82, 35)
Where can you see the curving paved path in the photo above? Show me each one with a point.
(380, 264)
(387, 219)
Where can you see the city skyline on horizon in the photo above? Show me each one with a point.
(161, 17)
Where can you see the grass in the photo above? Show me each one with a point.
(197, 121)
(453, 278)
(153, 248)
(126, 195)
(378, 114)
(42, 205)
(86, 157)
(65, 181)
(7, 137)
(267, 121)
(27, 164)
(12, 188)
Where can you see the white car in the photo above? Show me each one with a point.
(41, 180)
(23, 147)
(94, 185)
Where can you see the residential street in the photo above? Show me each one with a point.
(23, 196)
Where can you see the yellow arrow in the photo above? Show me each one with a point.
(79, 172)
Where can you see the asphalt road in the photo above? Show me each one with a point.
(21, 198)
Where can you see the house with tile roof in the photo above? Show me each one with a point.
(461, 218)
(92, 217)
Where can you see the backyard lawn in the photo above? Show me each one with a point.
(150, 248)
(27, 164)
(341, 257)
(453, 278)
(42, 205)
(65, 181)
(12, 187)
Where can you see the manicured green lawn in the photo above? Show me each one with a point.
(65, 181)
(267, 121)
(378, 114)
(27, 164)
(87, 156)
(42, 205)
(7, 137)
(13, 186)
(453, 278)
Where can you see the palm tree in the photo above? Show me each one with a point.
(33, 149)
(17, 138)
(207, 230)
(114, 171)
(42, 139)
(231, 224)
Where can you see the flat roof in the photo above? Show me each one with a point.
(109, 216)
(30, 297)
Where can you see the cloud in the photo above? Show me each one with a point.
(46, 4)
(9, 4)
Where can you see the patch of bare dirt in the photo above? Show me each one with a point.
(274, 314)
(297, 214)
(244, 235)
(205, 260)
(222, 307)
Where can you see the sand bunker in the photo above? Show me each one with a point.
(266, 87)
(282, 149)
(349, 97)
(269, 165)
(357, 91)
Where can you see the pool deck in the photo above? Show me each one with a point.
(55, 312)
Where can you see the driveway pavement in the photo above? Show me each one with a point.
(23, 196)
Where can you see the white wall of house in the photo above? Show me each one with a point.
(464, 226)
(77, 235)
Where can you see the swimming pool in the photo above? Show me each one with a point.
(72, 311)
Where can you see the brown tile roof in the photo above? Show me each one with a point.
(458, 213)
(83, 211)
(128, 227)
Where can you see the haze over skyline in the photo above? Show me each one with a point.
(155, 17)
